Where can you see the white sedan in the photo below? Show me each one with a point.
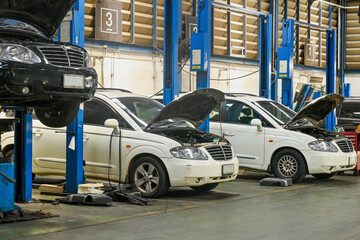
(158, 147)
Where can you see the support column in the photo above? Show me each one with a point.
(286, 62)
(274, 6)
(74, 153)
(330, 73)
(74, 133)
(265, 56)
(23, 155)
(204, 26)
(172, 21)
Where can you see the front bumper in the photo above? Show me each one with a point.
(196, 172)
(44, 81)
(329, 162)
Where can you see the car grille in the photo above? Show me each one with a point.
(220, 152)
(345, 145)
(63, 56)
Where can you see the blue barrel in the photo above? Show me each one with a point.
(7, 187)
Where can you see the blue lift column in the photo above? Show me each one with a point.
(330, 73)
(74, 132)
(201, 50)
(265, 55)
(285, 65)
(172, 27)
(23, 155)
(347, 89)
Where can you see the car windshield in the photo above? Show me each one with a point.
(276, 111)
(141, 110)
(15, 24)
(172, 123)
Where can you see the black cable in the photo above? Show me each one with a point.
(157, 93)
(119, 157)
(111, 136)
(230, 79)
(100, 85)
(183, 66)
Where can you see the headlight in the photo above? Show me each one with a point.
(188, 153)
(18, 53)
(322, 146)
(88, 62)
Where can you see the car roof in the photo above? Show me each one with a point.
(115, 93)
(246, 96)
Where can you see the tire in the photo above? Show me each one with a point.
(10, 152)
(205, 188)
(59, 115)
(324, 175)
(150, 177)
(288, 163)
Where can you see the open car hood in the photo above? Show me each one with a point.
(318, 109)
(44, 14)
(193, 107)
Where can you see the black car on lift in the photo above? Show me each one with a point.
(36, 71)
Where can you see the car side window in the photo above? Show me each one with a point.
(215, 114)
(96, 112)
(240, 113)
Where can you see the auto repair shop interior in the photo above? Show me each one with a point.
(181, 119)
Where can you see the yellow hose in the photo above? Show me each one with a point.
(7, 177)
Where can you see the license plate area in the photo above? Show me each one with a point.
(227, 169)
(73, 81)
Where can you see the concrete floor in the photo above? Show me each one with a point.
(314, 209)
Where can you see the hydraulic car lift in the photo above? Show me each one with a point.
(201, 47)
(22, 169)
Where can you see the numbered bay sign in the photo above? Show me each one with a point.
(108, 20)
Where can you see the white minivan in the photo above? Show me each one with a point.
(268, 136)
(155, 147)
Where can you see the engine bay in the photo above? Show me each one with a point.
(319, 133)
(190, 136)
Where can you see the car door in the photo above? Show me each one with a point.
(235, 126)
(99, 140)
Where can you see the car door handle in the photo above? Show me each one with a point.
(229, 134)
(38, 133)
(85, 138)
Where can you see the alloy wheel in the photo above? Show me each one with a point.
(146, 178)
(287, 166)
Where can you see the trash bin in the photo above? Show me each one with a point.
(7, 184)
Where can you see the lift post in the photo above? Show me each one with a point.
(285, 61)
(265, 55)
(74, 132)
(330, 74)
(23, 154)
(172, 27)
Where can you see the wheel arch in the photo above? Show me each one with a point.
(134, 159)
(7, 148)
(284, 148)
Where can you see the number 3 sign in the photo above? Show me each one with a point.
(108, 20)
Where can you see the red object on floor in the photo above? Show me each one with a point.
(353, 137)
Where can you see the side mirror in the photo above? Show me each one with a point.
(257, 123)
(114, 124)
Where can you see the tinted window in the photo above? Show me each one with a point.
(215, 114)
(97, 112)
(277, 111)
(141, 109)
(240, 113)
(350, 109)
